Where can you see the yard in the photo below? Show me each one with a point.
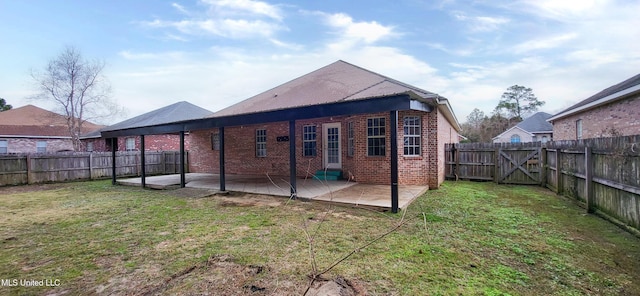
(465, 238)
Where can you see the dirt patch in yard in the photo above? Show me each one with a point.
(29, 188)
(221, 275)
(240, 199)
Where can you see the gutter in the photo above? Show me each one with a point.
(448, 112)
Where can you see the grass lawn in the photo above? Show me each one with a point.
(463, 239)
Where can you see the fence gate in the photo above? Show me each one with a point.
(519, 165)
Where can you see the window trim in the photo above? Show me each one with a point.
(309, 151)
(90, 147)
(417, 137)
(515, 136)
(261, 142)
(382, 135)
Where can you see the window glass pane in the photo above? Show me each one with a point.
(41, 147)
(309, 140)
(215, 141)
(376, 137)
(350, 142)
(4, 147)
(412, 135)
(261, 143)
(90, 147)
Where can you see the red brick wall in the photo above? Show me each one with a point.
(151, 142)
(240, 150)
(28, 145)
(446, 134)
(619, 118)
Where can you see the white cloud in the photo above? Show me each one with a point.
(244, 7)
(565, 10)
(179, 8)
(237, 19)
(367, 32)
(544, 43)
(480, 23)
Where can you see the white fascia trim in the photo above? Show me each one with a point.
(604, 100)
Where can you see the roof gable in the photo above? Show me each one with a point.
(179, 111)
(536, 123)
(339, 81)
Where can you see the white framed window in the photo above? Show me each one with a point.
(261, 143)
(4, 146)
(579, 129)
(90, 147)
(350, 143)
(41, 147)
(545, 139)
(309, 143)
(412, 135)
(130, 144)
(376, 145)
(215, 141)
(515, 139)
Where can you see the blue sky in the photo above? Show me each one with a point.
(214, 53)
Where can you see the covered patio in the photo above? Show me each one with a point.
(339, 192)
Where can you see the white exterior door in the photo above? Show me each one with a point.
(331, 146)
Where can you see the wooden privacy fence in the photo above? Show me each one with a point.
(602, 173)
(42, 168)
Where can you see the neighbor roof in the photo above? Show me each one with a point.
(537, 123)
(534, 124)
(179, 111)
(619, 91)
(32, 121)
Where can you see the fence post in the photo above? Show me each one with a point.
(588, 180)
(559, 178)
(496, 167)
(29, 172)
(456, 157)
(543, 166)
(90, 165)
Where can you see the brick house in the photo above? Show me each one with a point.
(370, 128)
(535, 128)
(614, 111)
(164, 142)
(30, 129)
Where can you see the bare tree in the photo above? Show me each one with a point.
(77, 86)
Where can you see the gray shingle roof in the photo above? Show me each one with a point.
(536, 123)
(175, 112)
(339, 81)
(631, 82)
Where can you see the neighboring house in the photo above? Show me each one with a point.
(167, 142)
(340, 117)
(30, 129)
(615, 111)
(535, 128)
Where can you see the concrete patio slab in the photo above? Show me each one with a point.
(340, 192)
